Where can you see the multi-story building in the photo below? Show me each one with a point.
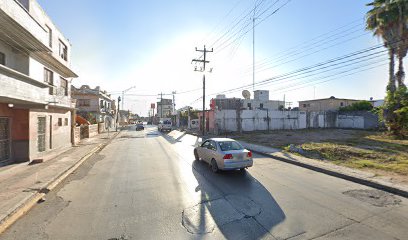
(35, 75)
(165, 108)
(94, 103)
(261, 101)
(325, 104)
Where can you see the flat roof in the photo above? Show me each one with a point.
(331, 99)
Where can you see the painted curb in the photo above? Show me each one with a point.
(30, 202)
(350, 178)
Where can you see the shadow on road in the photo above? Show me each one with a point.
(234, 202)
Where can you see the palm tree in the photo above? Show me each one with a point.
(388, 20)
(381, 20)
(402, 8)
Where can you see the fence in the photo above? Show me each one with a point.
(263, 120)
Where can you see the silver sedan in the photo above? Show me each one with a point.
(224, 154)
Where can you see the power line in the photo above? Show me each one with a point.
(315, 65)
(222, 46)
(287, 75)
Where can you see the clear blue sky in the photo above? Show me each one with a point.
(150, 44)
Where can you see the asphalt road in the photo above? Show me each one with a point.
(145, 185)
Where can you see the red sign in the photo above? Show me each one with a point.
(212, 104)
(152, 106)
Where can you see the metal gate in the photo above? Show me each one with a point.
(4, 139)
(41, 134)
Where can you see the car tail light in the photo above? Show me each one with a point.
(249, 154)
(228, 156)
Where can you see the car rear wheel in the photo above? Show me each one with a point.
(214, 166)
(197, 158)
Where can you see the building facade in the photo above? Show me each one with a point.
(261, 101)
(326, 104)
(35, 75)
(164, 108)
(94, 103)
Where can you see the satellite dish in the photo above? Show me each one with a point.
(246, 94)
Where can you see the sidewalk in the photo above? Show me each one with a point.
(22, 185)
(362, 177)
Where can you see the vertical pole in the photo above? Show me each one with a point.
(203, 130)
(161, 105)
(123, 99)
(174, 102)
(188, 119)
(253, 50)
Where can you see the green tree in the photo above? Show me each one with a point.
(358, 106)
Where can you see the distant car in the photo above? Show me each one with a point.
(224, 154)
(139, 126)
(149, 123)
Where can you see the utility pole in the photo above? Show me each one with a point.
(253, 49)
(161, 105)
(118, 114)
(204, 62)
(174, 101)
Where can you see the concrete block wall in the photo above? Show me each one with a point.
(353, 120)
(257, 120)
(77, 135)
(93, 130)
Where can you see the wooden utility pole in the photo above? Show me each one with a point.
(161, 105)
(204, 62)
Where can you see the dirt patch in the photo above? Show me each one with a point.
(368, 150)
(374, 197)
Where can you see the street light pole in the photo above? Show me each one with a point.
(123, 95)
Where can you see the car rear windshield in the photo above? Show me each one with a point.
(230, 145)
(167, 122)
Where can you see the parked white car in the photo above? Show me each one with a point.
(224, 154)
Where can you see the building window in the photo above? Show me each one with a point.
(49, 35)
(84, 102)
(2, 59)
(261, 105)
(341, 104)
(64, 86)
(59, 122)
(304, 105)
(249, 105)
(49, 78)
(66, 122)
(63, 50)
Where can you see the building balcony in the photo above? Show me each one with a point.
(20, 30)
(20, 89)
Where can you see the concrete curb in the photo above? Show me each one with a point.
(355, 179)
(24, 206)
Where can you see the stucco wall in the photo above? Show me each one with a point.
(257, 120)
(61, 135)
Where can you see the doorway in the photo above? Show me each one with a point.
(4, 139)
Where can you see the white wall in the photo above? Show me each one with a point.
(256, 120)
